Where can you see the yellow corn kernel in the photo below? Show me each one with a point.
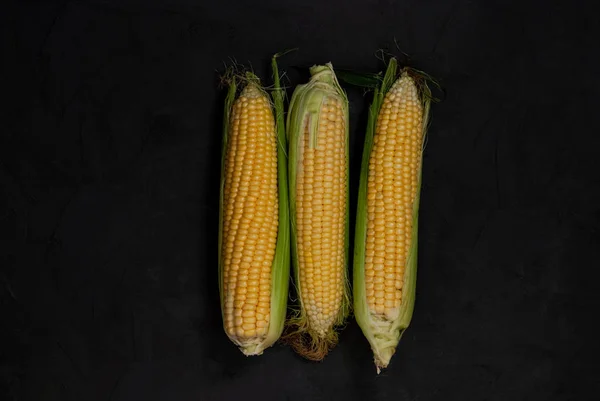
(321, 195)
(318, 178)
(385, 247)
(250, 218)
(395, 162)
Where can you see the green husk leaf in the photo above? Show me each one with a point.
(305, 106)
(229, 99)
(281, 263)
(280, 273)
(384, 336)
(360, 79)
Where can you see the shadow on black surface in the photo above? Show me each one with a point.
(359, 114)
(211, 332)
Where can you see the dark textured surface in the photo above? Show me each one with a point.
(108, 209)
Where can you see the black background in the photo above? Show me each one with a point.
(109, 176)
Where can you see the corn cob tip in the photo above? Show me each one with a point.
(383, 357)
(384, 337)
(323, 73)
(252, 349)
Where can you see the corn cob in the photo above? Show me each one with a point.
(385, 263)
(318, 177)
(254, 217)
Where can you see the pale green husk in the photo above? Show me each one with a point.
(280, 270)
(384, 335)
(305, 105)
